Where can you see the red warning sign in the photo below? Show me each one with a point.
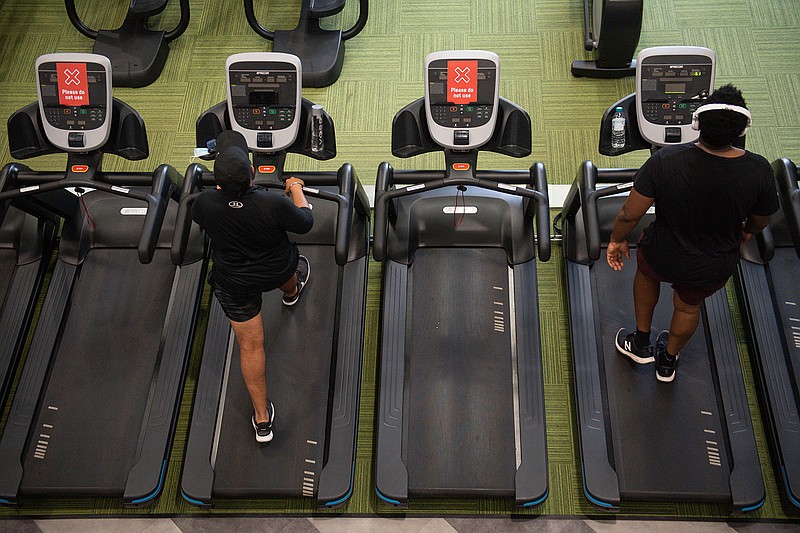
(73, 87)
(462, 81)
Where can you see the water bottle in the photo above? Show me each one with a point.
(317, 141)
(618, 129)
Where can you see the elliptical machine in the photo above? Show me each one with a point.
(137, 53)
(621, 19)
(320, 51)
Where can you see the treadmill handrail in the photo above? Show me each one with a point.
(351, 195)
(363, 13)
(584, 194)
(504, 181)
(183, 220)
(786, 177)
(157, 199)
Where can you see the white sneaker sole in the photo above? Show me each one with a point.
(635, 358)
(267, 438)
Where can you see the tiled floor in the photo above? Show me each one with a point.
(382, 525)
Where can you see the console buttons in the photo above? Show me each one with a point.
(264, 139)
(461, 137)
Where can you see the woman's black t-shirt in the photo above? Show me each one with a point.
(701, 201)
(249, 245)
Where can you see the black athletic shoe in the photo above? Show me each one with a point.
(264, 429)
(665, 367)
(627, 345)
(303, 275)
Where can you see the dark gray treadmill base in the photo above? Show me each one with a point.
(772, 297)
(460, 423)
(666, 437)
(298, 378)
(92, 410)
(602, 483)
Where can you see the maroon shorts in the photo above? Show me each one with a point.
(689, 294)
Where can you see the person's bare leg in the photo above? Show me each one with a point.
(645, 297)
(253, 362)
(685, 319)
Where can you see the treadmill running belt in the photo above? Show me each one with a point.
(299, 341)
(91, 413)
(667, 437)
(459, 396)
(786, 299)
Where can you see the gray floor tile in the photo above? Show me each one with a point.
(766, 528)
(115, 525)
(19, 526)
(658, 526)
(369, 525)
(518, 525)
(211, 524)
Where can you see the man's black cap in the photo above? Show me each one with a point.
(232, 165)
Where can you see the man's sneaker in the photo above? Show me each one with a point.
(303, 275)
(627, 345)
(264, 429)
(665, 367)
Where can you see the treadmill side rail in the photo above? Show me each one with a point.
(530, 481)
(146, 477)
(600, 482)
(198, 474)
(746, 483)
(336, 477)
(391, 475)
(23, 409)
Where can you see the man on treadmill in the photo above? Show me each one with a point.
(710, 197)
(251, 254)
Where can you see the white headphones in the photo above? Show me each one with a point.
(726, 107)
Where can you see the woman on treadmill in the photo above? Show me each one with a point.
(251, 254)
(710, 197)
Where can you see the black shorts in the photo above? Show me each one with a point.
(238, 307)
(689, 294)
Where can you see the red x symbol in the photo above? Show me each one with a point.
(72, 77)
(461, 75)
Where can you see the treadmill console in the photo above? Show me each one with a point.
(461, 94)
(671, 83)
(264, 98)
(74, 93)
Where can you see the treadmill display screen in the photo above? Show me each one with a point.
(461, 92)
(263, 95)
(672, 90)
(73, 95)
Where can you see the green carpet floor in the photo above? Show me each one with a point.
(756, 46)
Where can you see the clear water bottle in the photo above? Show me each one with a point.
(618, 129)
(317, 141)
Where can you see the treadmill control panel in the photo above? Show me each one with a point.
(671, 83)
(74, 93)
(264, 98)
(461, 95)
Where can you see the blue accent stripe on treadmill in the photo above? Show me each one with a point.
(537, 502)
(157, 490)
(589, 496)
(192, 500)
(349, 491)
(788, 489)
(384, 498)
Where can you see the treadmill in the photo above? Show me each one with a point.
(768, 285)
(314, 349)
(26, 244)
(623, 412)
(97, 400)
(461, 407)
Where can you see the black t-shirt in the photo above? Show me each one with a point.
(249, 245)
(701, 201)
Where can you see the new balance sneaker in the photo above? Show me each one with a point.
(665, 366)
(626, 344)
(303, 275)
(264, 429)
